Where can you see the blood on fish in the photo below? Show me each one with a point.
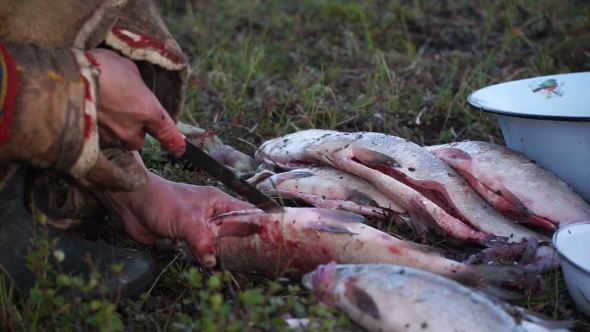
(263, 234)
(275, 241)
(394, 250)
(432, 195)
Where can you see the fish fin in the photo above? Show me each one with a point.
(373, 158)
(361, 198)
(532, 317)
(334, 221)
(447, 153)
(529, 252)
(513, 204)
(360, 299)
(557, 326)
(508, 251)
(541, 222)
(489, 279)
(329, 227)
(420, 220)
(546, 259)
(260, 176)
(327, 203)
(500, 197)
(292, 175)
(341, 216)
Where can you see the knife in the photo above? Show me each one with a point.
(209, 165)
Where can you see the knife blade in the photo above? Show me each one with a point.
(209, 165)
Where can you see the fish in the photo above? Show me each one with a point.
(297, 241)
(327, 187)
(436, 197)
(385, 297)
(237, 161)
(288, 152)
(515, 185)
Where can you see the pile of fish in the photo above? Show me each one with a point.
(471, 193)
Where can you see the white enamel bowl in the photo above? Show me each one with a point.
(573, 246)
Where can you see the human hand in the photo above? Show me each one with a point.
(127, 109)
(165, 209)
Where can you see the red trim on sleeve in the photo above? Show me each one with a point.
(9, 91)
(92, 60)
(88, 119)
(144, 42)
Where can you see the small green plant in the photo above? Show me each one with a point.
(56, 301)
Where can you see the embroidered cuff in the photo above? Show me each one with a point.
(139, 47)
(9, 85)
(90, 150)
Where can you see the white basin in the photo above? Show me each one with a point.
(572, 244)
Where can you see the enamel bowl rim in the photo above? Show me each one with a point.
(563, 255)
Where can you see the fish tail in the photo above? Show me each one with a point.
(489, 279)
(557, 326)
(494, 241)
(529, 251)
(541, 222)
(534, 320)
(423, 221)
(260, 177)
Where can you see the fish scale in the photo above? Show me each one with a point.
(303, 238)
(515, 183)
(383, 297)
(416, 165)
(327, 187)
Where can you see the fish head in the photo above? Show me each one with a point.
(456, 158)
(238, 161)
(321, 281)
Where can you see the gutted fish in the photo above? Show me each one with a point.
(436, 197)
(514, 184)
(298, 240)
(327, 187)
(382, 297)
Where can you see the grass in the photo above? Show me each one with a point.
(262, 69)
